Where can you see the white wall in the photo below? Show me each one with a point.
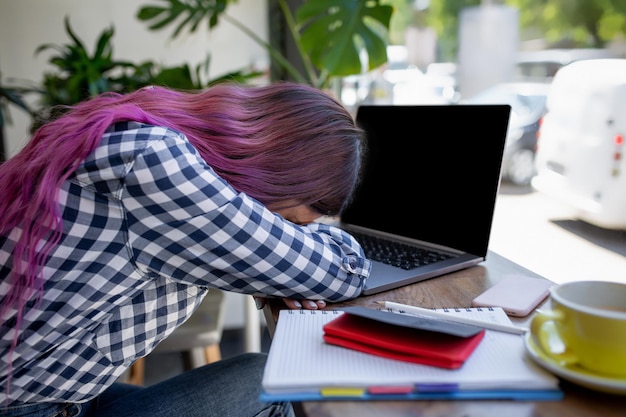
(27, 24)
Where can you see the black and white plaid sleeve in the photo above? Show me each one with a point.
(187, 223)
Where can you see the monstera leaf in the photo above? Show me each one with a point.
(188, 13)
(334, 31)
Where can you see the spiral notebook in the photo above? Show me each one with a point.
(302, 367)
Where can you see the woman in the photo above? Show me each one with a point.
(119, 216)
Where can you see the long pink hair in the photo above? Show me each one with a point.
(279, 142)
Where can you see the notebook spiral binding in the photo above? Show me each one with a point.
(304, 311)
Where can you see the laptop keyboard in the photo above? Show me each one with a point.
(398, 254)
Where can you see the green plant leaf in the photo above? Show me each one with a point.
(179, 76)
(11, 95)
(333, 32)
(192, 12)
(14, 96)
(103, 46)
(68, 30)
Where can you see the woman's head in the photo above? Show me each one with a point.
(281, 143)
(308, 145)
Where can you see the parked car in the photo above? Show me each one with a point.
(528, 105)
(542, 65)
(401, 83)
(581, 155)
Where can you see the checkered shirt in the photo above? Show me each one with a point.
(149, 227)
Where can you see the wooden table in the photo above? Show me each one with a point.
(457, 290)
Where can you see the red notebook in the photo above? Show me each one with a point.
(403, 337)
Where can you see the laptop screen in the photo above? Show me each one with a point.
(431, 173)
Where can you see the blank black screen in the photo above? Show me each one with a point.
(431, 172)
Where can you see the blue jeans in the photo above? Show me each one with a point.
(230, 387)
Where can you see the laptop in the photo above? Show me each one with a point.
(428, 189)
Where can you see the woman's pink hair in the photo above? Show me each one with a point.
(283, 142)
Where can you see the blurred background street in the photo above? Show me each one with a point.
(544, 236)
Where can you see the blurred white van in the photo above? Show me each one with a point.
(541, 66)
(580, 156)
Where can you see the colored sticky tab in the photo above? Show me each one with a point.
(342, 392)
(382, 390)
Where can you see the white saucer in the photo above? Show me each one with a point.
(575, 373)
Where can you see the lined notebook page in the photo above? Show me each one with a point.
(490, 314)
(300, 360)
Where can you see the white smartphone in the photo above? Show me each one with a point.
(518, 295)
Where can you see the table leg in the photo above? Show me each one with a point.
(252, 325)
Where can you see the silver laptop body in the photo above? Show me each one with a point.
(430, 180)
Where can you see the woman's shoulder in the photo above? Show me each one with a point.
(138, 132)
(124, 143)
(129, 139)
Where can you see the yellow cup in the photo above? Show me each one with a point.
(586, 326)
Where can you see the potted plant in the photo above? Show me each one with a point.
(80, 75)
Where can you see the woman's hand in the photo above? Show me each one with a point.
(294, 304)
